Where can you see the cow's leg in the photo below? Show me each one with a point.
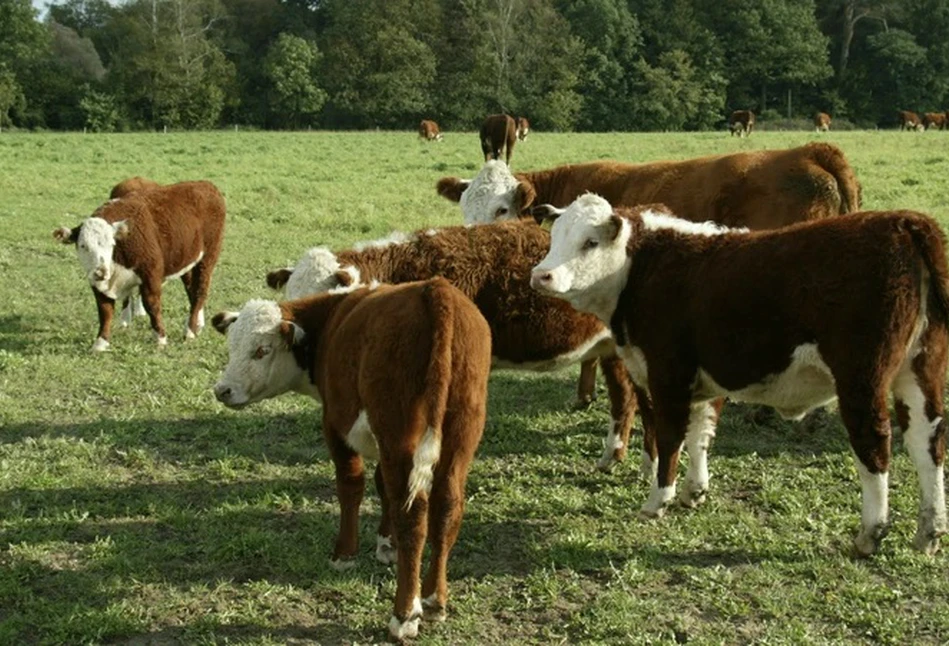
(650, 455)
(105, 307)
(622, 411)
(198, 296)
(385, 551)
(702, 421)
(187, 279)
(350, 485)
(151, 299)
(586, 386)
(918, 391)
(125, 318)
(672, 414)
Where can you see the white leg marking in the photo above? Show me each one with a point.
(125, 319)
(648, 468)
(659, 499)
(100, 345)
(138, 309)
(423, 465)
(200, 319)
(875, 509)
(189, 335)
(433, 610)
(384, 550)
(162, 341)
(699, 435)
(613, 444)
(341, 565)
(409, 627)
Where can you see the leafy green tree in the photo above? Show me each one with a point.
(99, 111)
(290, 67)
(10, 94)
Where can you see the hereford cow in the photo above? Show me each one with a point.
(144, 239)
(741, 123)
(910, 121)
(491, 265)
(935, 120)
(523, 128)
(402, 372)
(498, 133)
(131, 185)
(853, 307)
(821, 122)
(428, 130)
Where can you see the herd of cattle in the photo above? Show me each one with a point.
(749, 276)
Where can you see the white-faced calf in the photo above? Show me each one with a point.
(854, 307)
(402, 372)
(140, 241)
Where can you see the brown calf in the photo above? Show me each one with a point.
(402, 372)
(934, 120)
(909, 120)
(821, 122)
(429, 131)
(130, 185)
(523, 128)
(741, 122)
(498, 132)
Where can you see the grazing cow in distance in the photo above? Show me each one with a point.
(131, 185)
(402, 372)
(910, 121)
(934, 120)
(141, 240)
(523, 128)
(821, 122)
(741, 123)
(853, 307)
(491, 265)
(498, 133)
(429, 131)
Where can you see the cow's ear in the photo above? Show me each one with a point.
(67, 235)
(278, 278)
(545, 213)
(613, 226)
(343, 278)
(451, 188)
(120, 229)
(222, 320)
(524, 196)
(291, 333)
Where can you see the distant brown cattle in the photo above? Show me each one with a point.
(934, 120)
(498, 132)
(523, 128)
(131, 185)
(821, 122)
(742, 122)
(910, 120)
(429, 131)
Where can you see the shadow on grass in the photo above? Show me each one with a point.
(15, 335)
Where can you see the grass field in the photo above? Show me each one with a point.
(136, 510)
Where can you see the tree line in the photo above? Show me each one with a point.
(593, 65)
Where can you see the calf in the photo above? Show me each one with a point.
(429, 131)
(935, 120)
(821, 122)
(144, 239)
(491, 265)
(909, 121)
(402, 372)
(131, 185)
(523, 128)
(498, 132)
(852, 307)
(741, 122)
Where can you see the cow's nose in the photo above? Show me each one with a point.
(541, 279)
(222, 393)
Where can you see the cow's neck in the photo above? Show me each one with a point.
(314, 315)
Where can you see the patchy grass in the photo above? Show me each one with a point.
(135, 510)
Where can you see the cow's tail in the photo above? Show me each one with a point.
(441, 309)
(832, 160)
(279, 278)
(930, 241)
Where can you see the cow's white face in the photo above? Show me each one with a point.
(587, 264)
(95, 244)
(260, 362)
(490, 197)
(319, 271)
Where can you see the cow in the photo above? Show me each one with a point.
(402, 372)
(141, 240)
(762, 189)
(935, 120)
(910, 121)
(491, 265)
(821, 122)
(853, 307)
(523, 128)
(741, 122)
(131, 185)
(498, 133)
(429, 131)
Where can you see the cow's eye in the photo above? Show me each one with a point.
(82, 245)
(502, 210)
(590, 244)
(261, 352)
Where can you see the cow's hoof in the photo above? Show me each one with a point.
(434, 611)
(867, 542)
(692, 498)
(407, 628)
(584, 402)
(189, 335)
(162, 341)
(101, 345)
(341, 565)
(385, 553)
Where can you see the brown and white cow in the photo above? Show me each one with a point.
(145, 238)
(762, 189)
(935, 120)
(402, 372)
(491, 265)
(821, 122)
(741, 122)
(498, 133)
(910, 121)
(523, 128)
(854, 307)
(429, 131)
(131, 185)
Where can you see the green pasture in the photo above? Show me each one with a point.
(134, 509)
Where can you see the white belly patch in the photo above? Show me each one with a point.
(599, 345)
(184, 270)
(804, 385)
(121, 284)
(361, 439)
